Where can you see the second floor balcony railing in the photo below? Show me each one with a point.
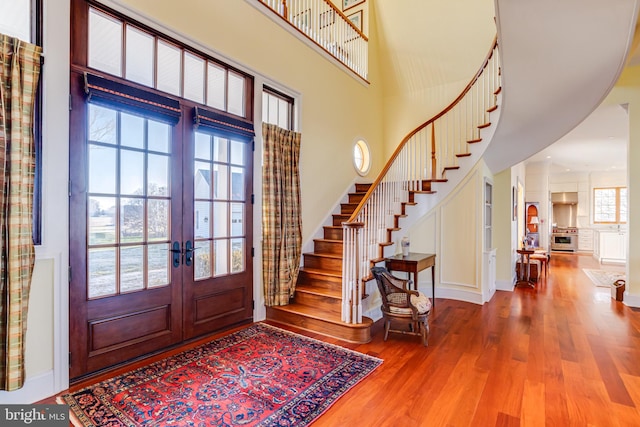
(327, 27)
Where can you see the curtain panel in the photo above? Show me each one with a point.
(19, 74)
(281, 214)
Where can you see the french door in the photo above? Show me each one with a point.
(160, 229)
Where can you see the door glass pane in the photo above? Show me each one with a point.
(131, 220)
(237, 183)
(105, 43)
(131, 172)
(235, 104)
(623, 205)
(157, 219)
(237, 216)
(169, 65)
(203, 146)
(202, 180)
(139, 56)
(202, 220)
(220, 219)
(102, 124)
(158, 175)
(202, 260)
(237, 152)
(158, 262)
(159, 136)
(102, 220)
(101, 275)
(193, 78)
(237, 255)
(221, 257)
(102, 169)
(131, 268)
(283, 114)
(216, 82)
(220, 181)
(131, 131)
(220, 149)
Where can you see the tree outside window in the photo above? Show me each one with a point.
(610, 205)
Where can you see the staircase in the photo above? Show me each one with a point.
(331, 283)
(317, 303)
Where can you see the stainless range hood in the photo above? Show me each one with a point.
(568, 198)
(565, 209)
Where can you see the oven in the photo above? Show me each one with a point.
(564, 239)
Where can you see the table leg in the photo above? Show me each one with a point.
(433, 285)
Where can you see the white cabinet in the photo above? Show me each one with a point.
(585, 239)
(612, 247)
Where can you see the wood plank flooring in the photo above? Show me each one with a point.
(564, 353)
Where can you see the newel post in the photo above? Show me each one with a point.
(351, 274)
(284, 8)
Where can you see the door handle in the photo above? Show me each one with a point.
(188, 253)
(176, 251)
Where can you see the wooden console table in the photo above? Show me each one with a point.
(413, 263)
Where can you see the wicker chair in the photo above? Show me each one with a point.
(402, 305)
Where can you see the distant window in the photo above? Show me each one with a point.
(610, 205)
(15, 19)
(361, 157)
(277, 108)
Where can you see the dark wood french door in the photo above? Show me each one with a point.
(160, 231)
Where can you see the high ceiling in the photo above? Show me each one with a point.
(598, 144)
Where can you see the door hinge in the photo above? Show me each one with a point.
(69, 188)
(253, 144)
(253, 199)
(69, 359)
(253, 304)
(69, 274)
(253, 252)
(70, 106)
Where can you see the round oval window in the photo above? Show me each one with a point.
(361, 157)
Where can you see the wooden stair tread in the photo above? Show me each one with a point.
(497, 91)
(451, 168)
(386, 243)
(492, 109)
(463, 155)
(423, 192)
(484, 125)
(328, 240)
(436, 180)
(324, 254)
(322, 272)
(473, 141)
(328, 293)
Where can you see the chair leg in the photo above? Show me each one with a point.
(387, 325)
(425, 333)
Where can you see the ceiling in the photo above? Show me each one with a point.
(598, 144)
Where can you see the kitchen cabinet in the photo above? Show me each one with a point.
(585, 239)
(612, 247)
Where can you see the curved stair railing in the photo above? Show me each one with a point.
(423, 157)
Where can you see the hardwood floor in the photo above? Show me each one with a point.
(564, 353)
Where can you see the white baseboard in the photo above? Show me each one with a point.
(631, 300)
(503, 285)
(459, 295)
(33, 390)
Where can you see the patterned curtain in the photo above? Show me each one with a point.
(19, 73)
(281, 214)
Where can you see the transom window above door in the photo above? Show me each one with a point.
(126, 51)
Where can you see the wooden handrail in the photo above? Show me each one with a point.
(393, 157)
(351, 55)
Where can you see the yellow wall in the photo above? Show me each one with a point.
(336, 107)
(627, 91)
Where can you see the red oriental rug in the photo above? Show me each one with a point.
(258, 376)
